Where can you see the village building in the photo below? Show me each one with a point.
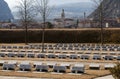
(84, 24)
(64, 22)
(7, 25)
(95, 23)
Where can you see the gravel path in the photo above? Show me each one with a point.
(6, 77)
(106, 77)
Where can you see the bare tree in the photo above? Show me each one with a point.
(100, 8)
(97, 2)
(44, 10)
(116, 71)
(26, 13)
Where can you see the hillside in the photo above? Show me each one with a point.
(71, 11)
(77, 10)
(111, 9)
(5, 12)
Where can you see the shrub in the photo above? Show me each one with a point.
(116, 71)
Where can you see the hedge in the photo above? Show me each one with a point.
(60, 36)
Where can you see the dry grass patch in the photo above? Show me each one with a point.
(59, 60)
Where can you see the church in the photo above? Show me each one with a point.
(64, 22)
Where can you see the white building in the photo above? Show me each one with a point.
(64, 22)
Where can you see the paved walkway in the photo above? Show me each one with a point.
(6, 77)
(106, 77)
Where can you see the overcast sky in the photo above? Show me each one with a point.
(12, 3)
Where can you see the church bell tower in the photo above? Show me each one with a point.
(63, 17)
(63, 14)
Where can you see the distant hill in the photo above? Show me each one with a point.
(111, 9)
(74, 9)
(71, 10)
(5, 12)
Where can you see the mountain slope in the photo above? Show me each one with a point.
(71, 10)
(5, 12)
(111, 9)
(74, 9)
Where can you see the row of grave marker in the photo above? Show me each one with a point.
(61, 56)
